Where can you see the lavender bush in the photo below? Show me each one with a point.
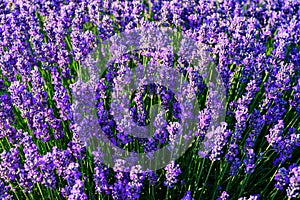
(46, 47)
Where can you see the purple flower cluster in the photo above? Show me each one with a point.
(289, 178)
(4, 194)
(61, 96)
(252, 197)
(188, 196)
(224, 196)
(43, 43)
(172, 172)
(296, 100)
(129, 182)
(284, 145)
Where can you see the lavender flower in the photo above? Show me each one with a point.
(61, 96)
(290, 179)
(252, 197)
(220, 142)
(224, 196)
(10, 164)
(187, 196)
(257, 124)
(100, 175)
(134, 187)
(296, 100)
(254, 45)
(274, 137)
(31, 109)
(4, 194)
(172, 172)
(282, 178)
(293, 190)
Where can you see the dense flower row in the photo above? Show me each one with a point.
(255, 46)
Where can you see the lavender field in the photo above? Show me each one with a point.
(150, 99)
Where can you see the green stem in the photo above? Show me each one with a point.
(204, 185)
(201, 169)
(219, 180)
(269, 182)
(244, 183)
(39, 188)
